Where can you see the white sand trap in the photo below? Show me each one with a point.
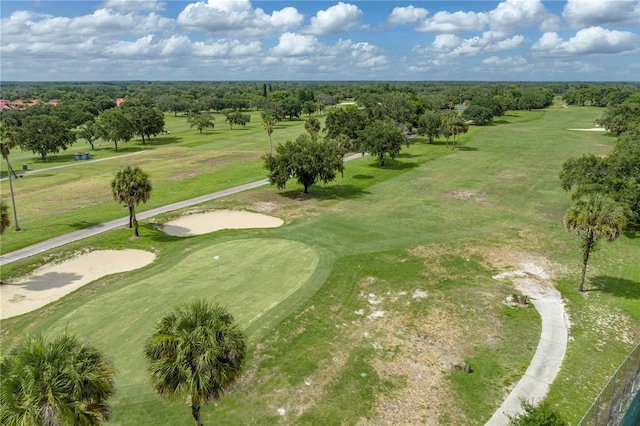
(592, 129)
(203, 223)
(51, 282)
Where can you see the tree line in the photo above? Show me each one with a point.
(605, 190)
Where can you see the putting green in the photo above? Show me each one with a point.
(249, 277)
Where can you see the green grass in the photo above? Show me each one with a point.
(182, 165)
(434, 220)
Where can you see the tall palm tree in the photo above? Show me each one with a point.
(197, 350)
(594, 217)
(55, 382)
(269, 119)
(131, 186)
(458, 125)
(8, 141)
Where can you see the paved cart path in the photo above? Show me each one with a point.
(545, 364)
(107, 226)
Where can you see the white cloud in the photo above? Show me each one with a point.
(295, 45)
(513, 15)
(406, 15)
(589, 13)
(549, 42)
(141, 47)
(509, 16)
(509, 61)
(335, 19)
(490, 41)
(446, 22)
(176, 46)
(27, 28)
(446, 42)
(226, 48)
(131, 5)
(237, 17)
(593, 40)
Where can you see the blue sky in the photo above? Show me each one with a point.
(521, 40)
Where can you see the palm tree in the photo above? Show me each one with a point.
(197, 350)
(594, 217)
(7, 135)
(131, 186)
(458, 125)
(55, 382)
(269, 119)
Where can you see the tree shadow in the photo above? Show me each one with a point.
(49, 280)
(327, 192)
(362, 177)
(406, 155)
(83, 224)
(390, 164)
(162, 140)
(467, 148)
(618, 287)
(632, 232)
(55, 158)
(500, 122)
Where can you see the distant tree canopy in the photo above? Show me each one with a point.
(381, 138)
(621, 118)
(201, 120)
(305, 159)
(237, 118)
(618, 174)
(44, 134)
(114, 126)
(478, 114)
(147, 121)
(348, 121)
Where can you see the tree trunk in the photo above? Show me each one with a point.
(13, 201)
(195, 411)
(132, 215)
(585, 258)
(116, 142)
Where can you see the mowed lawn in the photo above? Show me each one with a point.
(378, 285)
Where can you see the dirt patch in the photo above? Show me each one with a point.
(421, 350)
(468, 194)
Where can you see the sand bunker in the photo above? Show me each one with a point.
(51, 282)
(203, 223)
(592, 129)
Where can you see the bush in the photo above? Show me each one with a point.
(540, 415)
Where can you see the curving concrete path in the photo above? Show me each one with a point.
(545, 364)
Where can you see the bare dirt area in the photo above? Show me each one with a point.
(421, 350)
(469, 194)
(51, 282)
